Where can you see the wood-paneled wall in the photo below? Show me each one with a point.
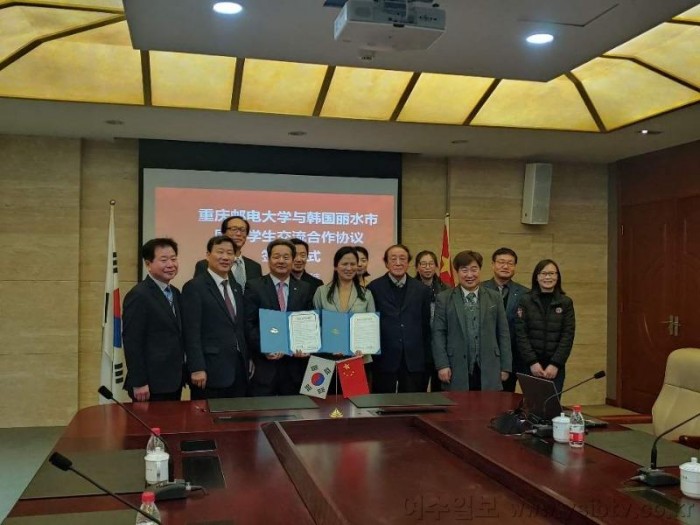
(55, 209)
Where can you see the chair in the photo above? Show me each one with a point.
(678, 399)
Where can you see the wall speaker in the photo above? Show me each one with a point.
(536, 190)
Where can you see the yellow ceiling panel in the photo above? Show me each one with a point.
(20, 25)
(691, 15)
(285, 88)
(673, 48)
(370, 94)
(443, 99)
(111, 35)
(107, 4)
(546, 105)
(624, 92)
(78, 71)
(183, 80)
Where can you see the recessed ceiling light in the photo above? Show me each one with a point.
(297, 133)
(228, 8)
(540, 38)
(648, 132)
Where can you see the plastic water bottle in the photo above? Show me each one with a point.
(148, 505)
(577, 428)
(156, 459)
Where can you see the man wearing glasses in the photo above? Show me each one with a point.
(243, 269)
(404, 307)
(503, 263)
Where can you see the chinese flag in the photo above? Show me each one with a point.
(353, 380)
(445, 263)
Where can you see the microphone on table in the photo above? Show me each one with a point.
(653, 476)
(107, 394)
(62, 462)
(598, 375)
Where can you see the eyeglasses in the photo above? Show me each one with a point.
(426, 264)
(549, 274)
(501, 262)
(237, 229)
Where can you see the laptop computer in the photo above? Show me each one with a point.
(540, 397)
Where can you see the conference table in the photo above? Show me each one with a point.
(298, 466)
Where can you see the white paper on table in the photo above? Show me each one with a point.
(304, 332)
(364, 333)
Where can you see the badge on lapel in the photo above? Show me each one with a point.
(558, 309)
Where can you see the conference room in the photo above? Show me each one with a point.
(178, 114)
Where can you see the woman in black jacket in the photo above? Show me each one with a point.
(545, 325)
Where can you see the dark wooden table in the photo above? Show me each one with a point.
(301, 466)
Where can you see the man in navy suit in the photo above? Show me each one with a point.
(404, 307)
(276, 374)
(503, 264)
(242, 268)
(299, 265)
(217, 355)
(152, 333)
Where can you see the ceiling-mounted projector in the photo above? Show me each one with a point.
(390, 25)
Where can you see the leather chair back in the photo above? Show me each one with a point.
(679, 398)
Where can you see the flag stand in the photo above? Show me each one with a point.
(336, 413)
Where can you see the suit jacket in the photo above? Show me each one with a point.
(212, 338)
(355, 304)
(515, 291)
(405, 328)
(253, 270)
(314, 282)
(450, 338)
(261, 293)
(152, 336)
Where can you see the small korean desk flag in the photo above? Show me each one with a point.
(317, 378)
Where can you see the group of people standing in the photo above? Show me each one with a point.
(471, 337)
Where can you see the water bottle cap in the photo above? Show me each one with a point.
(156, 431)
(148, 497)
(576, 408)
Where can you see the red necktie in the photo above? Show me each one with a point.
(227, 300)
(280, 296)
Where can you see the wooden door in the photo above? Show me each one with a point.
(646, 267)
(688, 303)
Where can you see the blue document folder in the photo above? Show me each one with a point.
(335, 332)
(274, 332)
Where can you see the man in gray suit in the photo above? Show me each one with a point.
(503, 263)
(471, 343)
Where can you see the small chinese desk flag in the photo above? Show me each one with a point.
(353, 380)
(317, 378)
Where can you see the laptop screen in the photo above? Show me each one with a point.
(536, 397)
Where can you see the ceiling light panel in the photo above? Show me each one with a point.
(673, 48)
(21, 25)
(86, 67)
(370, 94)
(522, 104)
(624, 92)
(443, 99)
(691, 15)
(183, 80)
(284, 88)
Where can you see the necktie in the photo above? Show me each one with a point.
(239, 271)
(169, 296)
(280, 296)
(471, 299)
(504, 295)
(227, 300)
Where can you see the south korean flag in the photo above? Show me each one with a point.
(317, 377)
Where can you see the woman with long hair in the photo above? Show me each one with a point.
(344, 293)
(545, 325)
(362, 261)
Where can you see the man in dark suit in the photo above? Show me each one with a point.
(243, 268)
(152, 333)
(217, 354)
(471, 345)
(299, 265)
(404, 307)
(276, 374)
(503, 263)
